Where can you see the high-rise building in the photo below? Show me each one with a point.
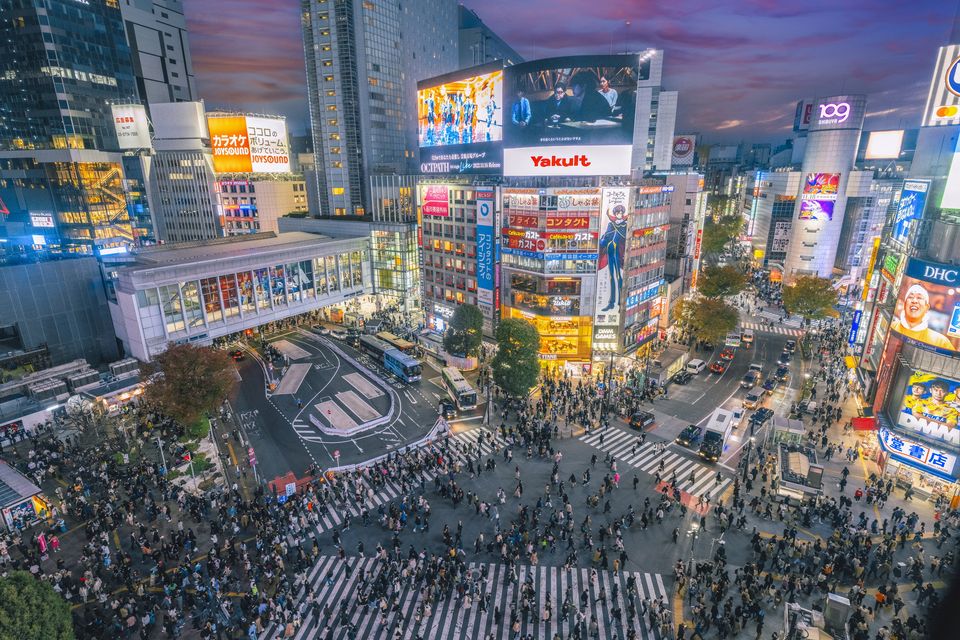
(479, 44)
(363, 60)
(157, 36)
(181, 175)
(254, 203)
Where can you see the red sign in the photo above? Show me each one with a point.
(568, 222)
(527, 244)
(436, 201)
(525, 221)
(696, 248)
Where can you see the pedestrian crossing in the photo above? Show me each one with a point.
(334, 581)
(774, 328)
(464, 444)
(647, 458)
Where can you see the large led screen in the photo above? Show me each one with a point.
(822, 185)
(571, 116)
(928, 306)
(926, 404)
(460, 121)
(913, 198)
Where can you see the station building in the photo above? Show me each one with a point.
(199, 292)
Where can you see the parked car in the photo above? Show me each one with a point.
(690, 436)
(682, 377)
(727, 354)
(783, 373)
(749, 380)
(760, 417)
(696, 366)
(770, 384)
(720, 366)
(447, 409)
(642, 420)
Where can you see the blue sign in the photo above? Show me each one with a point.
(485, 257)
(916, 454)
(953, 83)
(854, 327)
(913, 198)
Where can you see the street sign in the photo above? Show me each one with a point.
(336, 454)
(291, 488)
(251, 456)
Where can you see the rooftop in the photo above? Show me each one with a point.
(14, 486)
(223, 248)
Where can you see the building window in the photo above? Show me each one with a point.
(337, 191)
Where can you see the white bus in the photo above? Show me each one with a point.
(459, 389)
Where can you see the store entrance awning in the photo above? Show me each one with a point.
(864, 424)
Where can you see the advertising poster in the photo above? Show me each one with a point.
(817, 210)
(435, 200)
(822, 185)
(571, 115)
(231, 146)
(130, 122)
(951, 190)
(460, 121)
(683, 150)
(928, 406)
(884, 145)
(943, 99)
(928, 306)
(614, 212)
(485, 198)
(249, 144)
(913, 199)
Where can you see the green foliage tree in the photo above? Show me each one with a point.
(465, 333)
(31, 610)
(516, 365)
(708, 319)
(718, 233)
(186, 382)
(811, 297)
(718, 282)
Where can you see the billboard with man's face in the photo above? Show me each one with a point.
(460, 121)
(928, 306)
(572, 115)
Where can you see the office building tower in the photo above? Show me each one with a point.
(181, 174)
(157, 35)
(253, 203)
(363, 60)
(478, 43)
(828, 169)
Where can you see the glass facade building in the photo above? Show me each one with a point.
(202, 291)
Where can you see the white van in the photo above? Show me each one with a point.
(696, 366)
(747, 337)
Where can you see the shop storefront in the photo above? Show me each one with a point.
(930, 471)
(21, 502)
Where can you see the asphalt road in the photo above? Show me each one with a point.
(287, 429)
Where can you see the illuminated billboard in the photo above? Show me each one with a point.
(822, 186)
(460, 121)
(817, 209)
(130, 123)
(571, 116)
(838, 112)
(435, 200)
(683, 151)
(928, 306)
(913, 199)
(943, 99)
(884, 145)
(926, 405)
(614, 213)
(951, 189)
(249, 144)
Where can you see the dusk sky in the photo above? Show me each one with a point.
(739, 66)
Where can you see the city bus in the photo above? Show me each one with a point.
(398, 343)
(459, 389)
(405, 367)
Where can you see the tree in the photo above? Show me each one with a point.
(516, 365)
(31, 610)
(811, 297)
(718, 233)
(90, 418)
(719, 282)
(708, 319)
(186, 382)
(465, 333)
